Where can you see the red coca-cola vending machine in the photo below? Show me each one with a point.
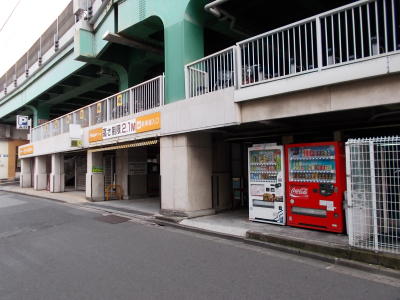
(315, 185)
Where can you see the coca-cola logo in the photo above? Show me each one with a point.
(298, 191)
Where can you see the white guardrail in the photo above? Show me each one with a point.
(358, 31)
(142, 97)
(211, 73)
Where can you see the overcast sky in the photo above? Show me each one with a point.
(30, 19)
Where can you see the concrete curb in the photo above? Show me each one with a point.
(274, 245)
(348, 253)
(36, 196)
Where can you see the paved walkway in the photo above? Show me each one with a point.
(72, 197)
(237, 223)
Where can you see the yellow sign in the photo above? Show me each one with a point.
(148, 122)
(136, 125)
(26, 150)
(119, 100)
(81, 114)
(98, 108)
(56, 123)
(95, 135)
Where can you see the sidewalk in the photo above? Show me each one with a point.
(72, 197)
(235, 224)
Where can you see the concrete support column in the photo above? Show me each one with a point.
(25, 180)
(40, 173)
(183, 44)
(186, 171)
(94, 176)
(121, 170)
(57, 176)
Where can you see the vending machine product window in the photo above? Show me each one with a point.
(266, 184)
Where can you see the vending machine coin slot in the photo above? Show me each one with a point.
(326, 189)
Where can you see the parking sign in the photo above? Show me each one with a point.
(22, 122)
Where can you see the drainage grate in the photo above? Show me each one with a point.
(112, 219)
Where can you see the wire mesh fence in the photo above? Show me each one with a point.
(373, 179)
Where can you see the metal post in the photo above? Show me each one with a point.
(90, 108)
(108, 110)
(349, 206)
(235, 70)
(238, 66)
(319, 42)
(373, 193)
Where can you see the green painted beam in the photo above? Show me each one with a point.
(182, 21)
(87, 86)
(50, 74)
(85, 51)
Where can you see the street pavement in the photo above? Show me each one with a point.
(51, 250)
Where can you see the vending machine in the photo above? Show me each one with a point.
(266, 184)
(315, 186)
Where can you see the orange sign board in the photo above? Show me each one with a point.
(148, 122)
(26, 150)
(95, 135)
(136, 125)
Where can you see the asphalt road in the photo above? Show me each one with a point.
(50, 250)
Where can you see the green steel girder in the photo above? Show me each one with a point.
(87, 86)
(182, 22)
(182, 25)
(48, 76)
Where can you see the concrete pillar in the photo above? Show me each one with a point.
(40, 173)
(57, 176)
(186, 170)
(183, 44)
(25, 180)
(121, 170)
(95, 176)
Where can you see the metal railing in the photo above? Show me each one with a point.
(212, 73)
(49, 42)
(59, 34)
(142, 97)
(350, 33)
(373, 185)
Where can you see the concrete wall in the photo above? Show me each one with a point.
(351, 95)
(211, 110)
(3, 159)
(328, 76)
(12, 152)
